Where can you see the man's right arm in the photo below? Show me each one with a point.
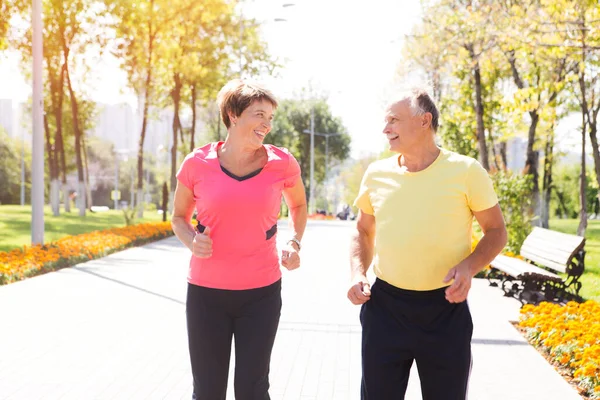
(362, 248)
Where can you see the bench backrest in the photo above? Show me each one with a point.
(551, 249)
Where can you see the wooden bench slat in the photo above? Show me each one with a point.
(558, 237)
(544, 261)
(541, 254)
(516, 267)
(552, 251)
(505, 264)
(548, 249)
(556, 243)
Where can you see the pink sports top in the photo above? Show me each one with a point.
(242, 215)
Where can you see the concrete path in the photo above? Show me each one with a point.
(114, 328)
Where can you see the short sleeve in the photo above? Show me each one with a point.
(363, 200)
(292, 173)
(184, 175)
(480, 188)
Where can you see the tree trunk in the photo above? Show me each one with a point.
(561, 202)
(218, 127)
(483, 151)
(59, 141)
(88, 188)
(547, 180)
(494, 154)
(165, 199)
(53, 170)
(593, 129)
(532, 160)
(147, 96)
(56, 150)
(77, 132)
(193, 130)
(582, 180)
(176, 96)
(531, 166)
(503, 156)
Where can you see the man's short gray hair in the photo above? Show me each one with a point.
(420, 103)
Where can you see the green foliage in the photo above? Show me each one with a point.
(10, 168)
(129, 214)
(565, 202)
(457, 133)
(514, 197)
(292, 118)
(351, 177)
(15, 224)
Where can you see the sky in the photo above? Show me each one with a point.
(348, 51)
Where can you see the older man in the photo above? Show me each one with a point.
(415, 216)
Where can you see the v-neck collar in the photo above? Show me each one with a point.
(240, 178)
(213, 155)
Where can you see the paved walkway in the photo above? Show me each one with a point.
(114, 328)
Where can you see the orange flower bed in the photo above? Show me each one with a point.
(19, 264)
(570, 336)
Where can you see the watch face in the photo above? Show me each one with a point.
(297, 243)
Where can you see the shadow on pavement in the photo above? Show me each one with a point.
(131, 286)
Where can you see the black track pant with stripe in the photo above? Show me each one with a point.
(214, 317)
(402, 326)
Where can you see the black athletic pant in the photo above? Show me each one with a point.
(402, 326)
(213, 317)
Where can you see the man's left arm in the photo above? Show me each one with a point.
(494, 239)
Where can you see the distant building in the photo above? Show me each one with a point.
(6, 116)
(13, 119)
(117, 124)
(516, 153)
(121, 125)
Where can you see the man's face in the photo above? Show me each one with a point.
(403, 130)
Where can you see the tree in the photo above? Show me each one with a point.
(292, 118)
(73, 17)
(10, 168)
(54, 76)
(141, 28)
(8, 8)
(539, 73)
(465, 28)
(66, 37)
(566, 28)
(197, 63)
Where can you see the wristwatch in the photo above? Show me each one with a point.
(297, 243)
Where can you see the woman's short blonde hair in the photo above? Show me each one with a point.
(238, 94)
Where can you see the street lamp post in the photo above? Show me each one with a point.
(37, 140)
(311, 199)
(23, 167)
(120, 155)
(116, 191)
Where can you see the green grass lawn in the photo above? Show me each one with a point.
(591, 276)
(15, 224)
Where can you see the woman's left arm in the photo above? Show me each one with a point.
(295, 198)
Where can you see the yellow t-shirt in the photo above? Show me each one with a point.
(423, 219)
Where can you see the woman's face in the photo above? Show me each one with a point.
(255, 122)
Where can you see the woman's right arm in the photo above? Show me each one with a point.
(183, 207)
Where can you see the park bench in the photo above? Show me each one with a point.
(528, 281)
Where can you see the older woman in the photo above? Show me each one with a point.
(234, 280)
